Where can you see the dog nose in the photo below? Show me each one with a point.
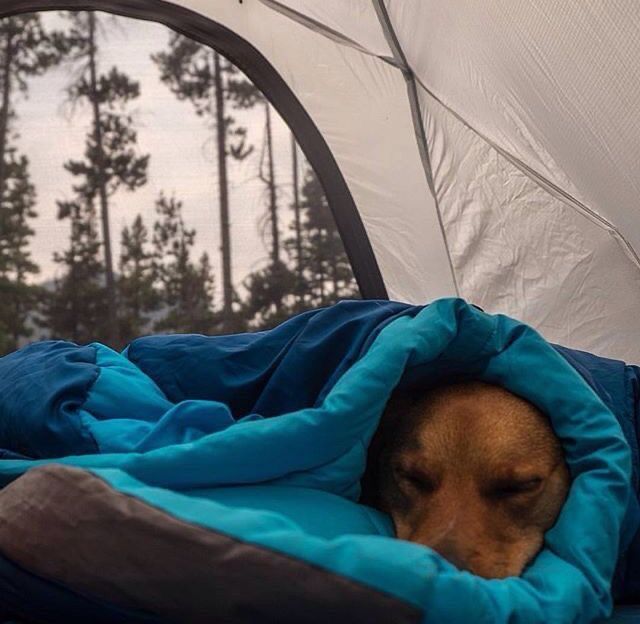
(449, 548)
(466, 561)
(477, 562)
(452, 556)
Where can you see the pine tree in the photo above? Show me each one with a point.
(270, 299)
(138, 298)
(211, 83)
(272, 288)
(18, 298)
(26, 51)
(186, 289)
(77, 307)
(325, 266)
(296, 248)
(111, 160)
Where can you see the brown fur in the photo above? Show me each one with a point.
(470, 470)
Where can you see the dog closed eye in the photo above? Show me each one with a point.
(511, 489)
(415, 479)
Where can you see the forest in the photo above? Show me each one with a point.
(112, 284)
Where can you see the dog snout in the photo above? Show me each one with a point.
(475, 552)
(484, 562)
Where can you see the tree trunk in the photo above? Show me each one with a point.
(273, 204)
(334, 275)
(296, 214)
(112, 318)
(271, 182)
(137, 304)
(225, 226)
(322, 274)
(4, 131)
(6, 104)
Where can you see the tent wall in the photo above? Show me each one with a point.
(531, 109)
(533, 147)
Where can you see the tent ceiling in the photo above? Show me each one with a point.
(556, 85)
(527, 112)
(352, 22)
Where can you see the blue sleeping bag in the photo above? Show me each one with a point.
(244, 453)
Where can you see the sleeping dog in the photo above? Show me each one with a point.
(470, 470)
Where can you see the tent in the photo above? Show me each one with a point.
(486, 150)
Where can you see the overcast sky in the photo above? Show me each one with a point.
(183, 158)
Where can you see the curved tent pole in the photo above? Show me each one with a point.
(265, 77)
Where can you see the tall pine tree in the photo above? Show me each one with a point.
(111, 160)
(26, 50)
(18, 298)
(76, 308)
(326, 268)
(296, 251)
(212, 84)
(274, 292)
(270, 295)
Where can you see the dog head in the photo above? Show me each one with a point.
(472, 471)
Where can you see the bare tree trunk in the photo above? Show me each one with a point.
(273, 202)
(112, 318)
(296, 214)
(271, 182)
(75, 334)
(334, 275)
(223, 184)
(4, 133)
(322, 271)
(6, 104)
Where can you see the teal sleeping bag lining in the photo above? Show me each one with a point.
(289, 482)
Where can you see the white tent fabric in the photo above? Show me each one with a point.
(492, 149)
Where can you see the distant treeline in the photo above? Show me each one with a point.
(155, 284)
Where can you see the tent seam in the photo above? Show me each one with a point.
(418, 125)
(546, 184)
(326, 31)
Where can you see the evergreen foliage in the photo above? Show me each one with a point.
(326, 271)
(212, 84)
(155, 283)
(111, 160)
(26, 50)
(77, 307)
(138, 296)
(186, 287)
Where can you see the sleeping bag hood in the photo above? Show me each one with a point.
(200, 479)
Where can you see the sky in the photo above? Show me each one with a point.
(182, 147)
